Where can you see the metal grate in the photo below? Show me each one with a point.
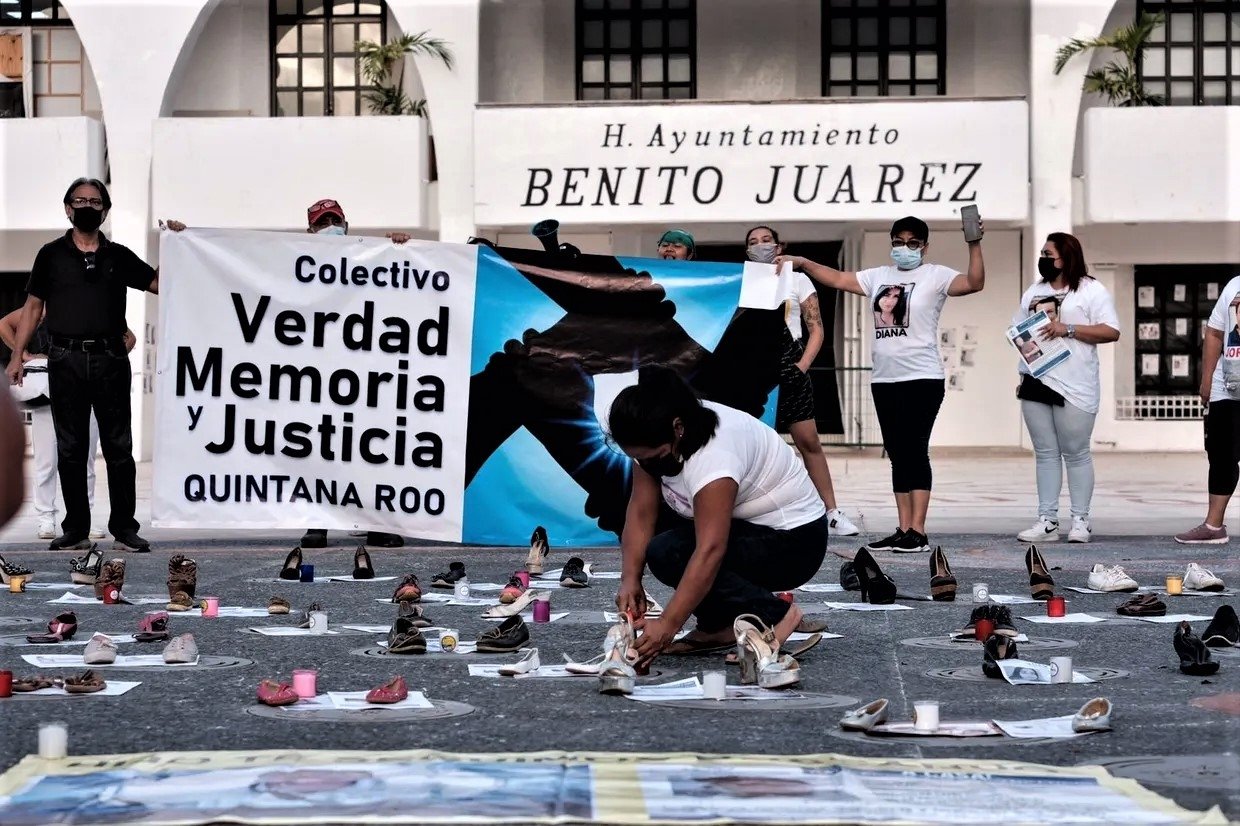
(1158, 408)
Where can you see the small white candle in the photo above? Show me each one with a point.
(714, 685)
(926, 715)
(1061, 669)
(53, 741)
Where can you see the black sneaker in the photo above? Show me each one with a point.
(314, 538)
(130, 541)
(1224, 630)
(887, 543)
(381, 540)
(509, 635)
(997, 648)
(911, 542)
(1001, 616)
(456, 572)
(70, 542)
(574, 574)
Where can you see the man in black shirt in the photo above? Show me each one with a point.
(82, 279)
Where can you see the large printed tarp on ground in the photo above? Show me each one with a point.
(440, 391)
(308, 787)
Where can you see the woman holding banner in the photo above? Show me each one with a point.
(1059, 408)
(795, 413)
(747, 520)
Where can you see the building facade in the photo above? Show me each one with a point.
(827, 119)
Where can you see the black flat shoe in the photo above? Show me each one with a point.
(292, 565)
(130, 541)
(1195, 658)
(456, 572)
(876, 587)
(314, 538)
(510, 635)
(1041, 586)
(70, 542)
(362, 569)
(1224, 630)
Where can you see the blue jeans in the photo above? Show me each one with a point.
(1061, 438)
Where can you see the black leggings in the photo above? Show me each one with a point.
(759, 560)
(906, 412)
(1222, 424)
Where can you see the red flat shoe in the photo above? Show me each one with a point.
(271, 693)
(393, 692)
(62, 628)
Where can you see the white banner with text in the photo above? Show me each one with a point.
(684, 162)
(312, 382)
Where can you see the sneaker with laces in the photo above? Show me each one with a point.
(1081, 531)
(47, 527)
(1110, 578)
(1044, 530)
(1203, 534)
(887, 543)
(1197, 578)
(911, 542)
(840, 524)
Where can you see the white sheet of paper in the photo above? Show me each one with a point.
(543, 672)
(51, 586)
(79, 599)
(687, 689)
(822, 588)
(1034, 673)
(486, 586)
(349, 578)
(114, 688)
(1057, 727)
(1067, 619)
(1169, 618)
(471, 601)
(75, 661)
(1144, 589)
(865, 606)
(528, 616)
(1009, 599)
(288, 631)
(356, 701)
(235, 611)
(81, 639)
(762, 289)
(612, 616)
(370, 629)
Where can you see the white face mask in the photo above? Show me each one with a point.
(763, 253)
(332, 229)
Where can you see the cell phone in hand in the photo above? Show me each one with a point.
(971, 222)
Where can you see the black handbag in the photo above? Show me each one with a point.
(1032, 390)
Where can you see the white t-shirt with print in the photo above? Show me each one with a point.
(906, 346)
(1077, 378)
(773, 488)
(802, 289)
(1223, 319)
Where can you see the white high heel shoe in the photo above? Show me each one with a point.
(759, 657)
(1093, 716)
(528, 663)
(589, 667)
(516, 606)
(615, 674)
(866, 717)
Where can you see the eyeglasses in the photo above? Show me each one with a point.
(79, 203)
(330, 218)
(912, 244)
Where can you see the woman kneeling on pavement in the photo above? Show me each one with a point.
(747, 519)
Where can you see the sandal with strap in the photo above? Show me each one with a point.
(615, 674)
(87, 682)
(759, 656)
(32, 683)
(12, 569)
(62, 628)
(152, 628)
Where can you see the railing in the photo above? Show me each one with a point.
(860, 422)
(1158, 408)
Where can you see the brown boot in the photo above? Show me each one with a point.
(182, 575)
(111, 575)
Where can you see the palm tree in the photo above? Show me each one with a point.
(1119, 82)
(378, 61)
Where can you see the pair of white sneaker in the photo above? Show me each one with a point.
(47, 530)
(1114, 578)
(1047, 530)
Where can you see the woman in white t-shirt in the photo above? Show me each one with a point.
(907, 381)
(747, 520)
(795, 412)
(1060, 408)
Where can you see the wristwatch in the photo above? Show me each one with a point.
(1071, 331)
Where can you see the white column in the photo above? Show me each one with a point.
(1054, 109)
(135, 47)
(451, 96)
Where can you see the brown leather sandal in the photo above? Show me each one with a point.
(32, 683)
(87, 682)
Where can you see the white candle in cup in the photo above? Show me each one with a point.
(926, 715)
(1061, 669)
(714, 685)
(53, 741)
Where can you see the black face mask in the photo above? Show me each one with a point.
(87, 219)
(667, 465)
(1047, 268)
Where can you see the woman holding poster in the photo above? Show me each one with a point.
(1059, 408)
(908, 378)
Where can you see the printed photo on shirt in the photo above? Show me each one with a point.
(1048, 303)
(891, 306)
(1029, 349)
(1233, 335)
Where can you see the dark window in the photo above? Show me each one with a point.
(883, 47)
(1193, 59)
(1173, 304)
(33, 13)
(636, 49)
(314, 66)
